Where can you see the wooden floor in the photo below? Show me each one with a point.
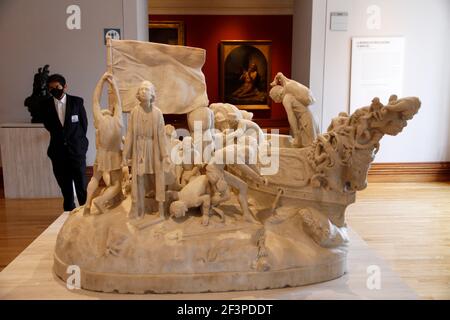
(407, 224)
(21, 221)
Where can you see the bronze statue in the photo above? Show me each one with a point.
(40, 94)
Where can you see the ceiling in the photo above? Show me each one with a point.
(221, 7)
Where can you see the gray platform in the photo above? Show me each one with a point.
(30, 276)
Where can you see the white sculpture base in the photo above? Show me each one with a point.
(185, 256)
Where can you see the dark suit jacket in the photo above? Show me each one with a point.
(68, 142)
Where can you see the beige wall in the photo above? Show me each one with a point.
(425, 26)
(303, 35)
(301, 39)
(34, 33)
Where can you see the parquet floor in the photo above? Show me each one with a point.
(21, 221)
(407, 224)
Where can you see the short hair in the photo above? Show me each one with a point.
(57, 78)
(178, 209)
(170, 130)
(276, 93)
(149, 85)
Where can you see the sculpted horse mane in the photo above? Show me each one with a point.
(341, 157)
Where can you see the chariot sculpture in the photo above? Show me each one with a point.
(239, 225)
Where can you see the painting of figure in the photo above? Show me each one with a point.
(245, 73)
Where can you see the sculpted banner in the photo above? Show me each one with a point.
(176, 72)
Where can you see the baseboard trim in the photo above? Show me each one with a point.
(409, 172)
(396, 172)
(379, 172)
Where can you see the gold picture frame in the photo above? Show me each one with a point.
(167, 32)
(245, 72)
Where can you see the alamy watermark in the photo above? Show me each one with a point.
(74, 279)
(373, 281)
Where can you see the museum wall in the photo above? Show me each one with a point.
(425, 27)
(34, 33)
(206, 31)
(301, 50)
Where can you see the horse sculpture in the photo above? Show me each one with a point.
(340, 158)
(321, 180)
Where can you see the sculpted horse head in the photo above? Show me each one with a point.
(341, 157)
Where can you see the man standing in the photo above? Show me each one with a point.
(65, 119)
(145, 147)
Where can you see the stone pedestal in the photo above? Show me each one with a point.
(27, 171)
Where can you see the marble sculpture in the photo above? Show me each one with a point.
(202, 224)
(108, 124)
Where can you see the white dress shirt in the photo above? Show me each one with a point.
(60, 106)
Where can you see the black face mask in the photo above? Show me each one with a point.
(57, 93)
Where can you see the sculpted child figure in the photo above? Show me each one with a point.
(145, 148)
(108, 124)
(295, 98)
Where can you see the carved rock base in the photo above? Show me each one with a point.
(171, 256)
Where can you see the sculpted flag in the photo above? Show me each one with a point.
(176, 72)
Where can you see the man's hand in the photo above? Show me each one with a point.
(110, 78)
(107, 76)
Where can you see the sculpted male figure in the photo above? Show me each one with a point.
(108, 124)
(145, 147)
(295, 98)
(195, 194)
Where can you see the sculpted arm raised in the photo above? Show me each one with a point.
(118, 101)
(96, 109)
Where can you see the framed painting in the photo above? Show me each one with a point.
(168, 32)
(245, 71)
